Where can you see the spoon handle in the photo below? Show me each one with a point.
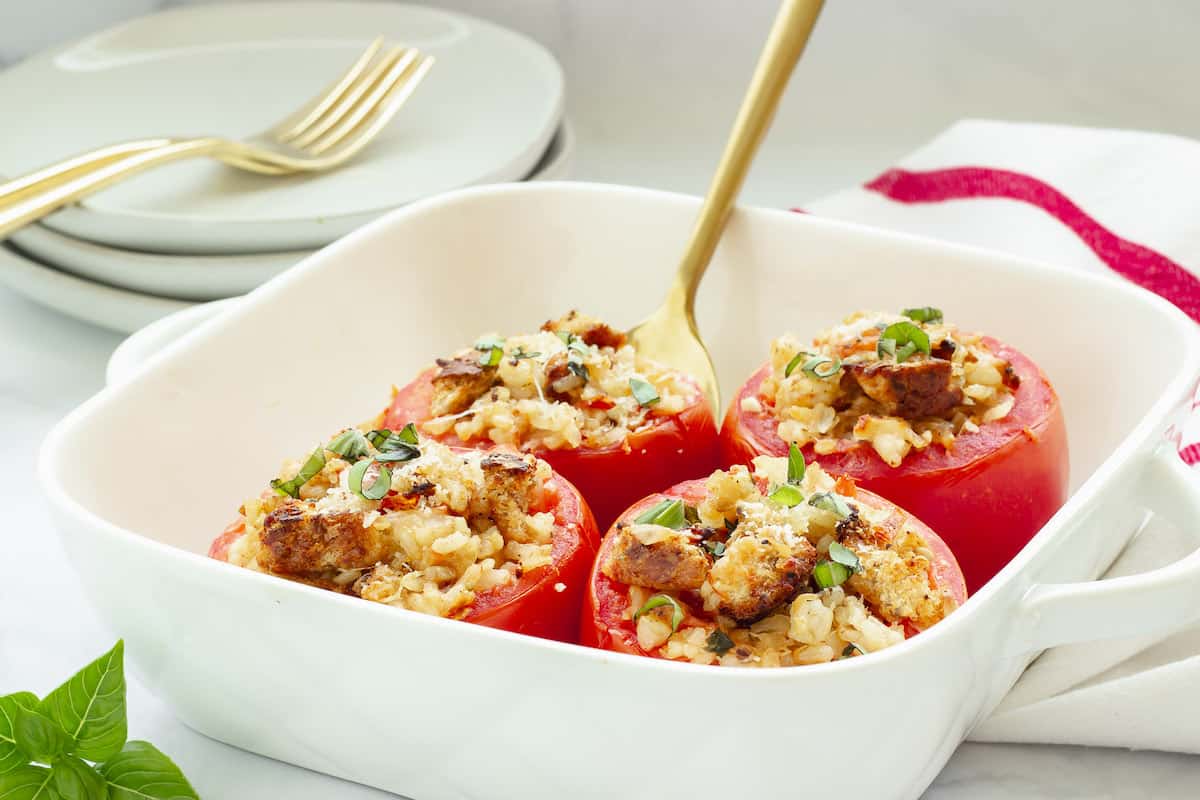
(789, 34)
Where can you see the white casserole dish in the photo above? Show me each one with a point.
(145, 474)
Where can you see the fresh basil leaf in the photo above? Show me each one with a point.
(10, 756)
(90, 706)
(663, 600)
(718, 642)
(828, 574)
(350, 444)
(578, 369)
(491, 357)
(668, 513)
(795, 472)
(39, 737)
(832, 502)
(845, 556)
(822, 366)
(377, 488)
(142, 772)
(74, 779)
(27, 783)
(923, 314)
(851, 649)
(408, 435)
(795, 362)
(314, 464)
(644, 392)
(903, 334)
(489, 343)
(716, 548)
(786, 495)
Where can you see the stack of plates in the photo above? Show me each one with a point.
(489, 111)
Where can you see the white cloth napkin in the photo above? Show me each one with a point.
(1121, 203)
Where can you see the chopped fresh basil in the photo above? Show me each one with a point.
(786, 495)
(573, 342)
(643, 392)
(578, 368)
(795, 472)
(395, 446)
(716, 548)
(822, 366)
(520, 354)
(905, 338)
(490, 343)
(730, 527)
(831, 501)
(351, 445)
(378, 487)
(663, 600)
(491, 357)
(923, 314)
(828, 574)
(668, 513)
(851, 649)
(314, 464)
(718, 642)
(795, 362)
(845, 556)
(408, 434)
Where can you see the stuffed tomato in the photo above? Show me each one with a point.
(577, 395)
(959, 429)
(779, 566)
(498, 539)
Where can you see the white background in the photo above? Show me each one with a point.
(652, 87)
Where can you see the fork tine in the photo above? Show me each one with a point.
(379, 93)
(356, 137)
(383, 66)
(317, 106)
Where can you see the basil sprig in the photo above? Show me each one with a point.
(718, 642)
(662, 600)
(72, 743)
(669, 513)
(308, 471)
(900, 340)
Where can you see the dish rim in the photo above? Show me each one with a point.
(1139, 439)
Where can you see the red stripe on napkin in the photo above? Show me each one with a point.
(1190, 454)
(1145, 267)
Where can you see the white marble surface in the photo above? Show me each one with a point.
(872, 88)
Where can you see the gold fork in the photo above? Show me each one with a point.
(324, 133)
(669, 335)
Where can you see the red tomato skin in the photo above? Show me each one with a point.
(987, 497)
(673, 449)
(533, 605)
(603, 625)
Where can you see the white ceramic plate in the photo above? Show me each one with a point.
(485, 113)
(206, 277)
(431, 707)
(106, 306)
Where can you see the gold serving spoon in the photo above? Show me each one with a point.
(669, 335)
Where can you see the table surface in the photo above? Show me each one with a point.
(49, 363)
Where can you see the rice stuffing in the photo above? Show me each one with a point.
(771, 570)
(899, 382)
(400, 521)
(575, 383)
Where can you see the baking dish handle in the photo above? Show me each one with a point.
(1154, 602)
